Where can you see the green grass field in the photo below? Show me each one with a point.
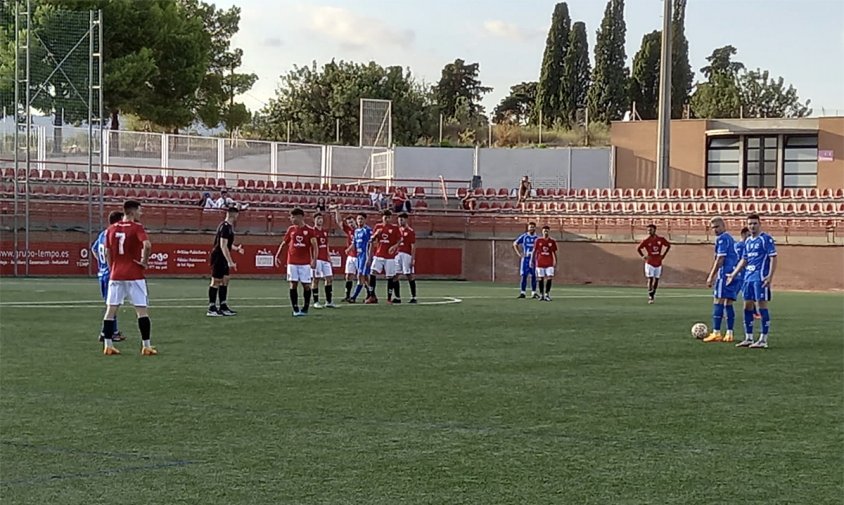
(595, 398)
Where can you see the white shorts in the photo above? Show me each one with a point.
(652, 271)
(545, 272)
(323, 270)
(135, 291)
(299, 273)
(385, 266)
(404, 264)
(351, 265)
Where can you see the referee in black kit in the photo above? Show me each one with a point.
(221, 263)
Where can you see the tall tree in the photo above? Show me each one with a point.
(577, 74)
(550, 91)
(517, 107)
(765, 97)
(7, 61)
(681, 70)
(460, 79)
(313, 99)
(608, 97)
(644, 80)
(215, 100)
(155, 56)
(719, 95)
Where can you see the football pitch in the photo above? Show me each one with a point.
(471, 397)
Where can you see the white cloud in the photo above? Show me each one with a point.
(355, 31)
(503, 29)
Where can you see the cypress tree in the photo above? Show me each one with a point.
(644, 80)
(551, 74)
(681, 71)
(577, 73)
(608, 97)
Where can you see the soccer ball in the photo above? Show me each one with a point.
(699, 330)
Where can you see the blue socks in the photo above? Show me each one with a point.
(766, 321)
(533, 283)
(358, 288)
(717, 316)
(524, 283)
(731, 317)
(748, 321)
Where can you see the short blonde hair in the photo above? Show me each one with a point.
(717, 220)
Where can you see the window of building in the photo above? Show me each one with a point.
(760, 162)
(800, 162)
(722, 162)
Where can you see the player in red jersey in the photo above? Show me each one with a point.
(406, 256)
(545, 261)
(655, 250)
(323, 269)
(127, 252)
(351, 269)
(301, 259)
(386, 239)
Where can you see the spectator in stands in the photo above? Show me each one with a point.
(321, 206)
(207, 202)
(226, 202)
(524, 190)
(400, 201)
(469, 202)
(379, 201)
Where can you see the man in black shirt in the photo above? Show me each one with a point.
(221, 263)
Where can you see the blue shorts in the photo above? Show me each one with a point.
(728, 291)
(527, 267)
(754, 291)
(104, 285)
(363, 267)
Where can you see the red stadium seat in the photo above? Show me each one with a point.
(815, 209)
(711, 193)
(641, 207)
(241, 183)
(297, 186)
(764, 208)
(158, 180)
(789, 208)
(663, 194)
(461, 192)
(593, 194)
(664, 208)
(180, 181)
(490, 193)
(773, 193)
(201, 182)
(826, 194)
(676, 208)
(170, 181)
(137, 179)
(540, 192)
(776, 208)
(749, 193)
(713, 208)
(503, 193)
(221, 182)
(800, 194)
(148, 180)
(423, 205)
(260, 185)
(676, 194)
(701, 208)
(688, 194)
(640, 194)
(700, 194)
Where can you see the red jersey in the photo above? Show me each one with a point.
(408, 238)
(386, 236)
(322, 244)
(544, 250)
(653, 249)
(350, 240)
(125, 243)
(298, 239)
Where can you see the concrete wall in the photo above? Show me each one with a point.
(831, 137)
(635, 163)
(502, 168)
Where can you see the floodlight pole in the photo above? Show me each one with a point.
(663, 154)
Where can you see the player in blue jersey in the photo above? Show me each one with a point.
(726, 259)
(103, 273)
(745, 232)
(360, 242)
(524, 248)
(759, 262)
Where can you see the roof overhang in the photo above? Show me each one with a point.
(802, 126)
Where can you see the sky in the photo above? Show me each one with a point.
(800, 40)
